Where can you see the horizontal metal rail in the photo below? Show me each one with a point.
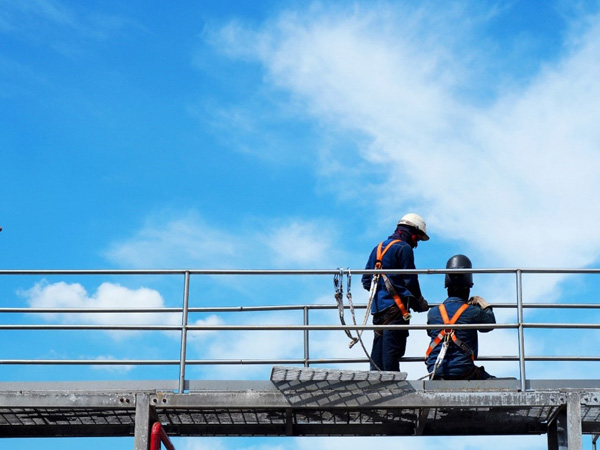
(282, 327)
(286, 327)
(233, 309)
(279, 361)
(546, 271)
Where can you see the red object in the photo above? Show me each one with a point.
(157, 435)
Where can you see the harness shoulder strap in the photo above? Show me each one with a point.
(449, 332)
(444, 314)
(464, 347)
(456, 315)
(387, 283)
(381, 252)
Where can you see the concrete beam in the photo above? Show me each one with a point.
(144, 417)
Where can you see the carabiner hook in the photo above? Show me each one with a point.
(338, 279)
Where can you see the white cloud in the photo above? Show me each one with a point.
(421, 443)
(305, 244)
(226, 443)
(202, 444)
(188, 241)
(110, 368)
(358, 443)
(180, 241)
(108, 295)
(247, 345)
(212, 320)
(515, 179)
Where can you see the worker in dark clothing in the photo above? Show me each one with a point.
(451, 353)
(393, 296)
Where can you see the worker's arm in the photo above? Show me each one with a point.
(366, 278)
(485, 313)
(405, 259)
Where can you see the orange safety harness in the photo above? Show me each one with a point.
(450, 333)
(386, 281)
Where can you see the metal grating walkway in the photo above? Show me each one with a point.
(296, 406)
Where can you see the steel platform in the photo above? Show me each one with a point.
(305, 403)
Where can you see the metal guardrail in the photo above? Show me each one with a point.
(185, 310)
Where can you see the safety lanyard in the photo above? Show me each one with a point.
(339, 298)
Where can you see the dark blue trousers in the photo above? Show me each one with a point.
(388, 345)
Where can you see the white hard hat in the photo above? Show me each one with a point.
(416, 221)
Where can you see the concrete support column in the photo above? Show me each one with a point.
(574, 421)
(564, 432)
(557, 432)
(143, 414)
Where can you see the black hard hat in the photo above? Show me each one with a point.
(464, 280)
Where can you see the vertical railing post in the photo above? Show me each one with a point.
(184, 325)
(520, 330)
(306, 350)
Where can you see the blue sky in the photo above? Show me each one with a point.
(290, 135)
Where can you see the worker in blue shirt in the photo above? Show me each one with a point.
(393, 296)
(451, 354)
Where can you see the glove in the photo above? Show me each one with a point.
(422, 305)
(479, 301)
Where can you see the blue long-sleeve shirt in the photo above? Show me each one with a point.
(457, 362)
(399, 256)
